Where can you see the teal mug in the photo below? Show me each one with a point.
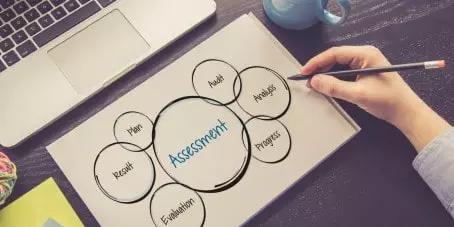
(300, 14)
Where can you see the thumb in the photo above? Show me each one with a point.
(331, 86)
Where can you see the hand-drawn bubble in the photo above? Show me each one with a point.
(264, 92)
(200, 145)
(134, 127)
(270, 139)
(214, 79)
(173, 204)
(124, 176)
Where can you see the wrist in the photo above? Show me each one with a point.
(409, 112)
(420, 124)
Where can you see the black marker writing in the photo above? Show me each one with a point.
(265, 93)
(174, 213)
(123, 171)
(268, 141)
(219, 79)
(135, 129)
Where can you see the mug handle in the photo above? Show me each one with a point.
(329, 18)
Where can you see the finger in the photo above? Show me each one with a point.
(333, 87)
(307, 71)
(326, 68)
(354, 56)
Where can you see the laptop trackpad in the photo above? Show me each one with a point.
(99, 52)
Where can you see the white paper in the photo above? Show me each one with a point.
(196, 168)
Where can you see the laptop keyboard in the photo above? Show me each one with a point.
(27, 25)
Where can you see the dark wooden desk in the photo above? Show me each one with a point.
(368, 182)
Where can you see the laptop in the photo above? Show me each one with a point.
(54, 54)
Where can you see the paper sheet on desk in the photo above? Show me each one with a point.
(199, 166)
(44, 204)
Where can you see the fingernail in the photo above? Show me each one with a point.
(308, 84)
(315, 81)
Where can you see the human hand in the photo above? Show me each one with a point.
(385, 95)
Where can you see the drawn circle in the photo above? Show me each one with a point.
(173, 204)
(264, 93)
(214, 78)
(207, 142)
(135, 128)
(271, 140)
(124, 176)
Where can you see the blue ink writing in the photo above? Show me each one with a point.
(198, 144)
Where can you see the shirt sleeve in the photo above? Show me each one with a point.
(435, 164)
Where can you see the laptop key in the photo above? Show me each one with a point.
(57, 2)
(20, 7)
(66, 23)
(6, 44)
(45, 21)
(11, 58)
(2, 66)
(83, 1)
(7, 3)
(58, 13)
(105, 3)
(7, 15)
(18, 23)
(26, 48)
(34, 2)
(31, 15)
(71, 5)
(6, 30)
(44, 7)
(19, 37)
(32, 29)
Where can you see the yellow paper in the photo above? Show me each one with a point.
(37, 206)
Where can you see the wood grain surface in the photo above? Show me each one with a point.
(370, 181)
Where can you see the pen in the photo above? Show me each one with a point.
(393, 68)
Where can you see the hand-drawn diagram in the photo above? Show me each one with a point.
(197, 160)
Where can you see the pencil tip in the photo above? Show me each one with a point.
(294, 77)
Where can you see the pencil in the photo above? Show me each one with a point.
(346, 73)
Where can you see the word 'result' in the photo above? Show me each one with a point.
(122, 172)
(198, 144)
